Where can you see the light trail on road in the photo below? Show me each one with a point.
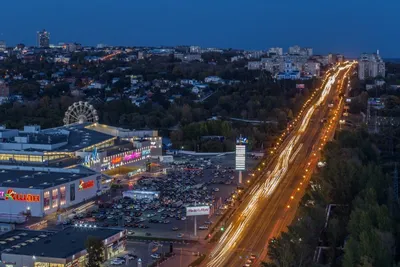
(234, 232)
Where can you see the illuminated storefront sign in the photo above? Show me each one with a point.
(132, 156)
(116, 160)
(85, 185)
(145, 152)
(12, 195)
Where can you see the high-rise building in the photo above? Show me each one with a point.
(70, 47)
(370, 66)
(43, 38)
(3, 46)
(294, 50)
(302, 51)
(275, 51)
(195, 49)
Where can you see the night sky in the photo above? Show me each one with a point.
(340, 26)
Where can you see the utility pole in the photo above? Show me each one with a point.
(195, 222)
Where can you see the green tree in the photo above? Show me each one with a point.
(95, 249)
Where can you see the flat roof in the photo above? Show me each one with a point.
(62, 244)
(15, 237)
(79, 137)
(40, 177)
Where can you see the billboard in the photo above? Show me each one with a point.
(240, 159)
(198, 210)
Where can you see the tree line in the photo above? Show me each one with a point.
(363, 226)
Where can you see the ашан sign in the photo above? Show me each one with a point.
(12, 195)
(85, 185)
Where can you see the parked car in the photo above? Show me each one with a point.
(155, 256)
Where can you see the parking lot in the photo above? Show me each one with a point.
(184, 254)
(189, 181)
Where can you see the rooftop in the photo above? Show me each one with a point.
(71, 240)
(20, 237)
(39, 177)
(79, 136)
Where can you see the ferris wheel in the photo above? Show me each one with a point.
(80, 112)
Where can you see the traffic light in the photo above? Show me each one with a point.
(222, 229)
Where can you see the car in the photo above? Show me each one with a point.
(216, 189)
(131, 256)
(148, 234)
(252, 257)
(117, 262)
(175, 228)
(180, 235)
(131, 232)
(155, 256)
(203, 227)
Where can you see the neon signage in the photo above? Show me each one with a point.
(85, 185)
(145, 152)
(116, 160)
(132, 156)
(12, 195)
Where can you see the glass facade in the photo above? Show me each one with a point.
(46, 200)
(62, 195)
(72, 192)
(32, 158)
(48, 264)
(54, 198)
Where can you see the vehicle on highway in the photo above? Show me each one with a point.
(175, 228)
(180, 235)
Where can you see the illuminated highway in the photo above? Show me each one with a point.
(270, 205)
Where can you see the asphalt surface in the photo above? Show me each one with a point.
(184, 254)
(271, 204)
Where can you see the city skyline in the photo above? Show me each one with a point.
(211, 25)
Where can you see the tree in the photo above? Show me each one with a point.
(95, 249)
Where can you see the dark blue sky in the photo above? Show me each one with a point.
(342, 26)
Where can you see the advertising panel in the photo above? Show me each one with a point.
(198, 210)
(132, 156)
(240, 159)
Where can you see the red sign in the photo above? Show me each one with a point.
(85, 185)
(12, 195)
(116, 160)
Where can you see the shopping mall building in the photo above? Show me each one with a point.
(39, 191)
(98, 146)
(42, 248)
(43, 171)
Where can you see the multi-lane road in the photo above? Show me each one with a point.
(271, 203)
